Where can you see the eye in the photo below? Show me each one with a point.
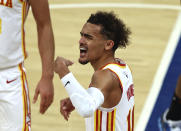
(88, 36)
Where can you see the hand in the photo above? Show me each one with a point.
(61, 66)
(46, 91)
(66, 108)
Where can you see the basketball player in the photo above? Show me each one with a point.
(108, 103)
(171, 119)
(14, 95)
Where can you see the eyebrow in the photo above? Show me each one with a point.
(86, 35)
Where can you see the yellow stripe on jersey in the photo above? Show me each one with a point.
(24, 4)
(111, 116)
(114, 118)
(108, 121)
(97, 120)
(25, 96)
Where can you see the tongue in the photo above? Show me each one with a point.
(82, 54)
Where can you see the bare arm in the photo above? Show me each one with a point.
(108, 83)
(87, 101)
(40, 9)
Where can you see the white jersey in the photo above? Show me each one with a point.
(120, 117)
(12, 39)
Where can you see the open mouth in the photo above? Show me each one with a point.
(83, 51)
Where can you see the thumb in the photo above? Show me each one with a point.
(68, 63)
(35, 96)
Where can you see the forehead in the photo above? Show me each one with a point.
(91, 29)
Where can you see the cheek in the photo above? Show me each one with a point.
(95, 50)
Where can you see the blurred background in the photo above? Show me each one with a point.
(151, 23)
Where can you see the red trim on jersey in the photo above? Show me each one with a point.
(128, 120)
(110, 124)
(112, 120)
(26, 99)
(133, 119)
(9, 3)
(100, 120)
(107, 121)
(96, 120)
(24, 95)
(23, 32)
(28, 104)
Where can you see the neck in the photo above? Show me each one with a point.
(101, 62)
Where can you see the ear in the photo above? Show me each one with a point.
(109, 45)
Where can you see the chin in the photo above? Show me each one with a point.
(83, 62)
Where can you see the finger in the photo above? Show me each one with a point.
(63, 103)
(35, 96)
(46, 101)
(65, 117)
(61, 111)
(43, 105)
(62, 107)
(68, 63)
(64, 114)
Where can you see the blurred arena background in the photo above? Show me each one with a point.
(151, 23)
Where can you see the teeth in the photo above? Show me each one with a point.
(83, 49)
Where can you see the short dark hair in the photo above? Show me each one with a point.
(112, 28)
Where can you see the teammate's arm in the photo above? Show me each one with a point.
(41, 13)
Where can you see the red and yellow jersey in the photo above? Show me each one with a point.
(12, 36)
(120, 117)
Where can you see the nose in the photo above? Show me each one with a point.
(82, 40)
